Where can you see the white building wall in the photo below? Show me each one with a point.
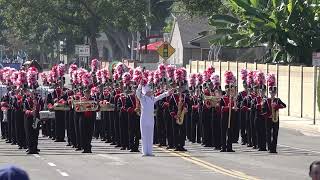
(176, 42)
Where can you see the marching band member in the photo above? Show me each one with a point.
(178, 108)
(228, 110)
(133, 121)
(270, 110)
(242, 110)
(216, 116)
(147, 101)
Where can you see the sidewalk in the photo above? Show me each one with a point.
(302, 125)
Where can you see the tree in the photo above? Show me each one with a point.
(200, 7)
(48, 21)
(291, 28)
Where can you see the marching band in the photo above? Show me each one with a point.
(166, 107)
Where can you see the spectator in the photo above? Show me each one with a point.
(13, 173)
(314, 170)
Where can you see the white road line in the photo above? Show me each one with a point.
(36, 155)
(51, 164)
(62, 173)
(308, 150)
(114, 160)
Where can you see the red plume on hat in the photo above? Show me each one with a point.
(192, 80)
(99, 75)
(14, 77)
(199, 79)
(116, 76)
(206, 76)
(150, 77)
(170, 71)
(131, 72)
(32, 76)
(137, 74)
(156, 77)
(7, 71)
(22, 77)
(120, 68)
(271, 79)
(80, 73)
(61, 70)
(215, 79)
(72, 68)
(229, 78)
(95, 65)
(105, 75)
(210, 70)
(162, 70)
(126, 78)
(94, 90)
(244, 74)
(86, 79)
(260, 78)
(250, 78)
(180, 75)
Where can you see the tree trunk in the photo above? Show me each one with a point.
(94, 46)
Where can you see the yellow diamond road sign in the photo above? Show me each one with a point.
(165, 50)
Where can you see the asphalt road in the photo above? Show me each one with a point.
(56, 161)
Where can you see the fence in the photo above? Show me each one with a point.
(297, 85)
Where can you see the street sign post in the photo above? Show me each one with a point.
(166, 51)
(83, 51)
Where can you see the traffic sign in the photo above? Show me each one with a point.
(82, 50)
(166, 50)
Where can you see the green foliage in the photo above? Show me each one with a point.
(200, 7)
(288, 27)
(169, 26)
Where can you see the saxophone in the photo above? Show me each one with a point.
(181, 111)
(275, 114)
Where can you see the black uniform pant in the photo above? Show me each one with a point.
(20, 130)
(98, 128)
(124, 133)
(226, 132)
(112, 127)
(9, 116)
(243, 125)
(161, 128)
(253, 139)
(77, 127)
(66, 125)
(52, 128)
(207, 127)
(31, 134)
(195, 131)
(60, 126)
(72, 133)
(217, 130)
(13, 126)
(169, 126)
(134, 131)
(188, 124)
(261, 132)
(179, 134)
(104, 125)
(86, 130)
(117, 128)
(272, 130)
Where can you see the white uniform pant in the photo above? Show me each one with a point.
(147, 127)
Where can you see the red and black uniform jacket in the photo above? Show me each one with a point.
(225, 104)
(174, 102)
(241, 98)
(268, 104)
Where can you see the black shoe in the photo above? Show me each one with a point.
(108, 141)
(103, 139)
(30, 152)
(183, 149)
(78, 149)
(87, 151)
(2, 137)
(25, 147)
(68, 144)
(273, 152)
(123, 148)
(134, 150)
(38, 150)
(230, 150)
(262, 149)
(222, 150)
(13, 143)
(216, 148)
(177, 149)
(170, 147)
(27, 150)
(117, 146)
(20, 147)
(112, 144)
(8, 142)
(254, 147)
(249, 145)
(243, 143)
